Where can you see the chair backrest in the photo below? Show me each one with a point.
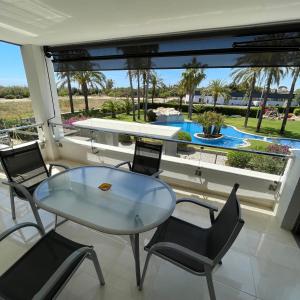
(226, 227)
(146, 158)
(24, 165)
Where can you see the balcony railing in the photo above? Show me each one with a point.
(11, 137)
(187, 165)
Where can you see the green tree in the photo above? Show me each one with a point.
(64, 79)
(156, 82)
(181, 92)
(109, 84)
(249, 77)
(295, 72)
(191, 78)
(273, 75)
(218, 88)
(86, 79)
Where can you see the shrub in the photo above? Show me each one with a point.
(227, 110)
(259, 162)
(125, 139)
(238, 159)
(297, 111)
(266, 164)
(183, 136)
(152, 117)
(9, 96)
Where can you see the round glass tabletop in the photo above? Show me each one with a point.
(134, 203)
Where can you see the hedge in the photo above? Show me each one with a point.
(223, 109)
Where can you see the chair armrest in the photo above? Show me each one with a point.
(156, 174)
(182, 250)
(124, 163)
(57, 165)
(212, 208)
(61, 271)
(21, 188)
(16, 227)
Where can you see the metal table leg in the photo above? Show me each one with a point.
(135, 244)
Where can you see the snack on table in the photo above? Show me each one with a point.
(104, 186)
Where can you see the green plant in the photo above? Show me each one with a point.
(183, 136)
(238, 159)
(297, 111)
(152, 117)
(212, 123)
(198, 108)
(266, 164)
(127, 106)
(9, 96)
(113, 107)
(125, 139)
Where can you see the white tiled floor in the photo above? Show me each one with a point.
(264, 262)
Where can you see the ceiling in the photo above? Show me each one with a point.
(54, 22)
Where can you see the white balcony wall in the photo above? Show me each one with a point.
(255, 188)
(43, 93)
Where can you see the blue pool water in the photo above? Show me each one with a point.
(232, 137)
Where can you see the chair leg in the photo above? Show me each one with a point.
(36, 215)
(210, 284)
(220, 262)
(12, 203)
(95, 260)
(145, 270)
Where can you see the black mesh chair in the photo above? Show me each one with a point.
(25, 170)
(43, 271)
(195, 249)
(146, 159)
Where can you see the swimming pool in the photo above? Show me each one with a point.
(232, 138)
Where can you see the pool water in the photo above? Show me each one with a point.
(232, 138)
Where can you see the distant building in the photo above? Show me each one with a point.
(276, 98)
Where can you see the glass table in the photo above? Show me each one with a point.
(135, 203)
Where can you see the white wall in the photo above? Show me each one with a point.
(43, 93)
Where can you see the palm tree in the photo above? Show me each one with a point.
(191, 78)
(130, 75)
(112, 107)
(273, 75)
(86, 79)
(218, 88)
(249, 77)
(146, 74)
(295, 72)
(65, 79)
(156, 82)
(137, 75)
(181, 92)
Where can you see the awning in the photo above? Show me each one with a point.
(243, 47)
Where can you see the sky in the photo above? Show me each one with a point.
(12, 71)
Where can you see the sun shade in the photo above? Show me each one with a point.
(260, 46)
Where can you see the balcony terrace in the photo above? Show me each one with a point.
(262, 264)
(264, 261)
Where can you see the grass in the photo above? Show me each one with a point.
(19, 109)
(268, 127)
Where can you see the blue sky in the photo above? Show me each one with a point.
(12, 71)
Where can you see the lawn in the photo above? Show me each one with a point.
(268, 127)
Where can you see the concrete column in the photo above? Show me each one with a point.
(43, 92)
(289, 204)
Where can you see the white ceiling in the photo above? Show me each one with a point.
(50, 22)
